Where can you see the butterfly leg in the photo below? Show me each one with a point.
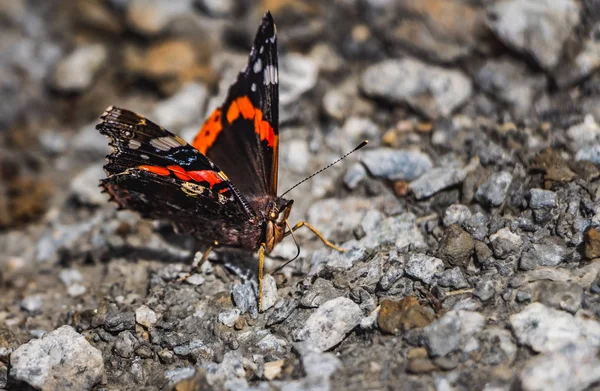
(261, 266)
(199, 261)
(319, 235)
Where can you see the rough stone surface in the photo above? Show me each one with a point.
(453, 331)
(493, 191)
(423, 267)
(396, 165)
(61, 359)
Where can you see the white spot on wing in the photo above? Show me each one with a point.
(253, 87)
(165, 143)
(270, 75)
(134, 144)
(144, 156)
(262, 49)
(257, 66)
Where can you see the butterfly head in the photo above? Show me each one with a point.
(278, 213)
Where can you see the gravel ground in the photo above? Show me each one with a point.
(472, 219)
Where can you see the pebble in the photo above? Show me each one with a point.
(575, 366)
(125, 344)
(584, 134)
(435, 180)
(354, 176)
(32, 303)
(298, 75)
(561, 295)
(84, 187)
(245, 299)
(120, 321)
(477, 226)
(542, 199)
(423, 267)
(401, 231)
(183, 108)
(505, 243)
(60, 360)
(433, 91)
(592, 243)
(453, 278)
(456, 214)
(337, 104)
(396, 165)
(493, 191)
(229, 317)
(195, 280)
(320, 292)
(456, 246)
(145, 316)
(329, 324)
(361, 128)
(151, 17)
(537, 28)
(456, 330)
(217, 8)
(590, 153)
(546, 329)
(542, 254)
(281, 311)
(399, 317)
(498, 346)
(76, 72)
(484, 289)
(90, 144)
(269, 292)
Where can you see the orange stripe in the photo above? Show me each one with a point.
(233, 112)
(208, 132)
(155, 170)
(246, 107)
(264, 129)
(180, 173)
(205, 175)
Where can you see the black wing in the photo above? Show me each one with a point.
(242, 136)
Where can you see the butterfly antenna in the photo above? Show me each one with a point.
(291, 231)
(365, 142)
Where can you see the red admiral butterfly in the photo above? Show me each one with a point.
(159, 175)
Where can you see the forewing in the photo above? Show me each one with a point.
(159, 175)
(242, 136)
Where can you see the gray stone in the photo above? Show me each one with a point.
(295, 156)
(229, 372)
(281, 311)
(330, 323)
(298, 75)
(548, 330)
(477, 226)
(151, 17)
(60, 360)
(456, 214)
(396, 165)
(435, 180)
(484, 289)
(431, 90)
(176, 375)
(120, 321)
(269, 292)
(320, 292)
(354, 176)
(423, 267)
(77, 71)
(562, 295)
(125, 344)
(400, 230)
(32, 303)
(218, 8)
(195, 280)
(361, 128)
(193, 347)
(85, 189)
(498, 346)
(584, 134)
(543, 254)
(590, 153)
(70, 276)
(245, 299)
(538, 28)
(456, 330)
(582, 63)
(575, 366)
(456, 246)
(229, 317)
(145, 316)
(453, 278)
(542, 199)
(183, 108)
(90, 144)
(511, 82)
(505, 243)
(493, 191)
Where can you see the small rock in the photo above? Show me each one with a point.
(178, 374)
(423, 267)
(505, 243)
(354, 176)
(245, 299)
(456, 246)
(320, 365)
(431, 90)
(70, 276)
(548, 330)
(183, 108)
(484, 289)
(538, 28)
(295, 156)
(542, 199)
(320, 292)
(399, 230)
(493, 191)
(60, 360)
(120, 321)
(32, 303)
(76, 72)
(574, 367)
(477, 226)
(195, 280)
(590, 153)
(360, 128)
(282, 310)
(399, 317)
(337, 104)
(456, 214)
(592, 243)
(125, 344)
(584, 134)
(543, 254)
(435, 180)
(229, 317)
(269, 292)
(298, 75)
(498, 346)
(150, 17)
(85, 189)
(330, 323)
(453, 278)
(76, 290)
(453, 331)
(561, 295)
(396, 165)
(217, 8)
(145, 316)
(90, 144)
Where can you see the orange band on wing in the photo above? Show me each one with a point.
(205, 175)
(242, 106)
(180, 173)
(162, 171)
(208, 133)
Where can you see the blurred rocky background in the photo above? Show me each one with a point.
(472, 219)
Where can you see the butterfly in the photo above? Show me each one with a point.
(221, 188)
